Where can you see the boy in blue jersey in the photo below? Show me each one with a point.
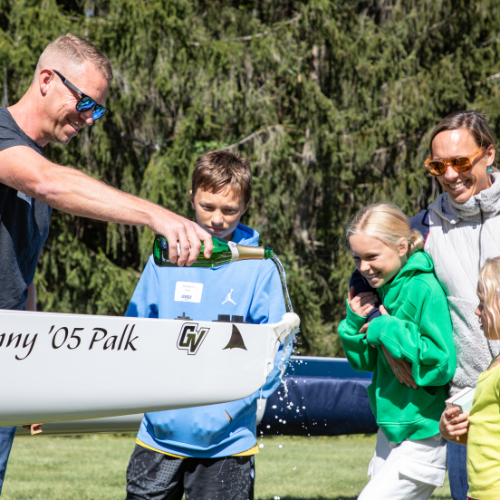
(207, 452)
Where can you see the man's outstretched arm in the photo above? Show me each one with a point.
(74, 192)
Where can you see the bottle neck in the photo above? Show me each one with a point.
(268, 253)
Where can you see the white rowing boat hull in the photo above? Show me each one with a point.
(62, 367)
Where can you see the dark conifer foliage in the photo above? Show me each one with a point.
(333, 102)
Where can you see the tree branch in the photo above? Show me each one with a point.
(486, 80)
(253, 136)
(249, 38)
(444, 21)
(141, 142)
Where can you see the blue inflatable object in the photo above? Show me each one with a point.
(322, 397)
(312, 366)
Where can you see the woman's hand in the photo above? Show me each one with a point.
(454, 426)
(361, 304)
(400, 367)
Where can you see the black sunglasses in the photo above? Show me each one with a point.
(86, 102)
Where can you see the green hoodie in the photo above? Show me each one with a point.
(418, 329)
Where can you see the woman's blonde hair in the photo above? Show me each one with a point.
(388, 223)
(489, 287)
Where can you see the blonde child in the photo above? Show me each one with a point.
(480, 429)
(415, 326)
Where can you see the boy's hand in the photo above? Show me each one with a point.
(361, 304)
(454, 426)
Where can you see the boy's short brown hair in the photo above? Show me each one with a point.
(219, 169)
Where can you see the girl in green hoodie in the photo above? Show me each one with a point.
(415, 326)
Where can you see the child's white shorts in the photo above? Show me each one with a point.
(407, 471)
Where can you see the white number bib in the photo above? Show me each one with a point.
(188, 292)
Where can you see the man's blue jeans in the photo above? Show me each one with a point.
(457, 470)
(6, 439)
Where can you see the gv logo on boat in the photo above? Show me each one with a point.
(191, 337)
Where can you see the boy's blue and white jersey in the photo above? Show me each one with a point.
(251, 289)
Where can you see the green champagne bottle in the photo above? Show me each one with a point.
(224, 252)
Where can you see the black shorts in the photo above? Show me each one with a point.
(155, 476)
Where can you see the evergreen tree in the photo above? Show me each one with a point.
(332, 101)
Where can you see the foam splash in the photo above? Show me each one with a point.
(288, 346)
(281, 271)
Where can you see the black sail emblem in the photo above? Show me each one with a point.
(236, 340)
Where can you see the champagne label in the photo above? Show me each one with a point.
(234, 250)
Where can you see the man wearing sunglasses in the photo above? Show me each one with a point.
(68, 91)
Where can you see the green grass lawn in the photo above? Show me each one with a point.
(93, 468)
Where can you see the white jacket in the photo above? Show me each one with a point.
(460, 238)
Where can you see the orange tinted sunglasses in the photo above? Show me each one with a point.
(459, 164)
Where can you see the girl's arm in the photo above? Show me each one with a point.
(361, 356)
(454, 426)
(425, 339)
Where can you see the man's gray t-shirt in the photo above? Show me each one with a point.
(24, 226)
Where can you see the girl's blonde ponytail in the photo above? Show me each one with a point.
(415, 243)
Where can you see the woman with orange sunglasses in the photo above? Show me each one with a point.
(464, 230)
(461, 230)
